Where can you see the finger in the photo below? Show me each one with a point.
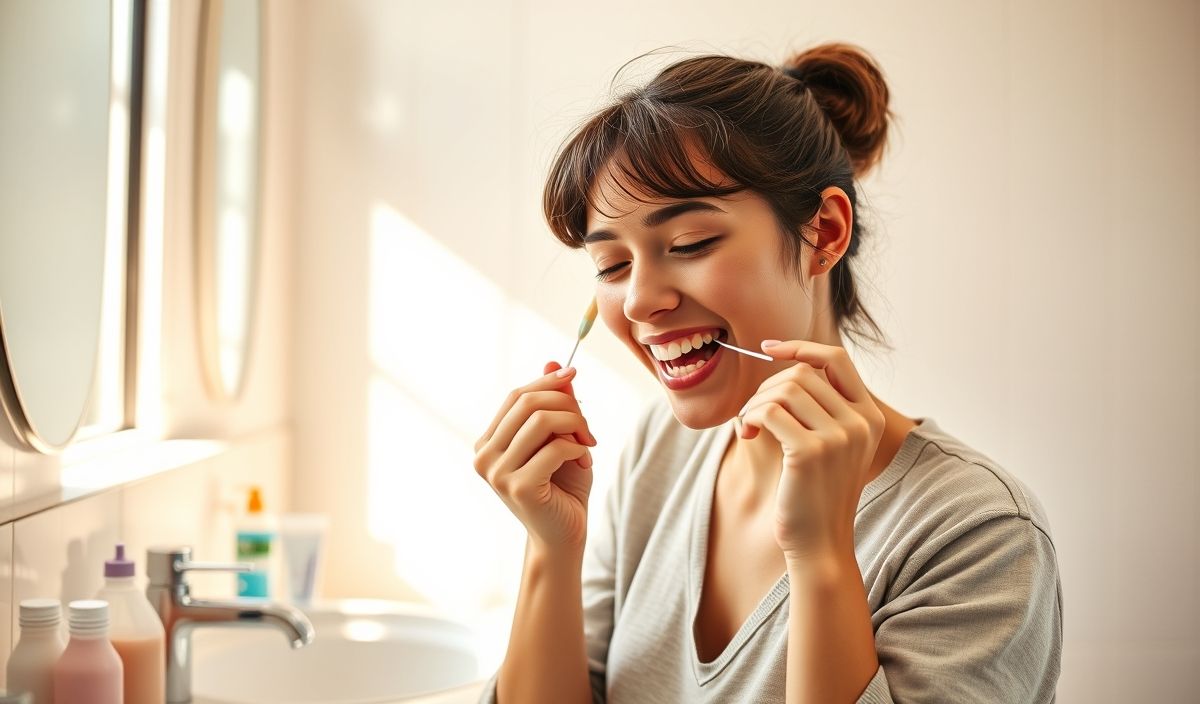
(541, 428)
(834, 360)
(546, 382)
(555, 366)
(797, 401)
(544, 463)
(816, 383)
(780, 422)
(520, 412)
(552, 367)
(799, 367)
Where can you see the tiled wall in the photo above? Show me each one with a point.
(60, 553)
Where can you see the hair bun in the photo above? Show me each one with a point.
(851, 90)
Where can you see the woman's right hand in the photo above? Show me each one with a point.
(535, 457)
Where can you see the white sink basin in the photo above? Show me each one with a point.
(364, 652)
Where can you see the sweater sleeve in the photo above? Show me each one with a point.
(599, 571)
(979, 621)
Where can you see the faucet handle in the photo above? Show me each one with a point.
(188, 566)
(166, 566)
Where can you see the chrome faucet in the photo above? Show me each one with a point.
(180, 613)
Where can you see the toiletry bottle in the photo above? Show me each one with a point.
(89, 670)
(256, 545)
(300, 538)
(136, 633)
(31, 664)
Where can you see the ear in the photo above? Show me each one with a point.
(834, 223)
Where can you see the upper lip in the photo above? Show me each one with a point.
(676, 334)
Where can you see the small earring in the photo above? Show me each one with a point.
(822, 261)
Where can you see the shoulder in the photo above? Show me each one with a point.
(948, 488)
(962, 577)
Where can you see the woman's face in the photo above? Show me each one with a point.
(737, 282)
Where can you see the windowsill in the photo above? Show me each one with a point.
(110, 461)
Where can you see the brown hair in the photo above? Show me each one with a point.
(785, 133)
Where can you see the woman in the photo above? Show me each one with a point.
(774, 532)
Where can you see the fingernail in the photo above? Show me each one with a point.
(770, 343)
(586, 460)
(564, 372)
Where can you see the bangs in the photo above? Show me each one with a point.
(712, 126)
(647, 150)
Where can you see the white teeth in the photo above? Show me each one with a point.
(683, 345)
(685, 370)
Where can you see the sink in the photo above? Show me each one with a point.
(365, 652)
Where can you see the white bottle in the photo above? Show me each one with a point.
(31, 664)
(136, 633)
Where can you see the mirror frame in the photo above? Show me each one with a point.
(14, 409)
(207, 73)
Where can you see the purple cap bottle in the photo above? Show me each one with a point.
(118, 566)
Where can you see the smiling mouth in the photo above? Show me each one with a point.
(691, 361)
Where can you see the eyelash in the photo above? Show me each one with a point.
(694, 248)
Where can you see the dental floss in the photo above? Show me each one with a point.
(765, 357)
(584, 326)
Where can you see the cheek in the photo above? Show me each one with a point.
(609, 308)
(725, 286)
(611, 311)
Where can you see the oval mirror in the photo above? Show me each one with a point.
(64, 97)
(229, 139)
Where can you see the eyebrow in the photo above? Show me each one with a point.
(657, 218)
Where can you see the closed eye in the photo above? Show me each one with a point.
(694, 248)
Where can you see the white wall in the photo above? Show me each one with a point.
(1035, 228)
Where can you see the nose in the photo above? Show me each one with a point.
(650, 289)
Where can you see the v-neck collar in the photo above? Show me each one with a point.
(718, 442)
(713, 448)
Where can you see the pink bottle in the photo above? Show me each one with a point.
(89, 671)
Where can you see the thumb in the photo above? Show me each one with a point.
(553, 367)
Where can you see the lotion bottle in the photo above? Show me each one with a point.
(31, 664)
(136, 633)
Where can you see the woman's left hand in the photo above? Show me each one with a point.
(829, 427)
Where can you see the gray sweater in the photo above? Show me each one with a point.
(955, 552)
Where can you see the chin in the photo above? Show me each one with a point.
(697, 416)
